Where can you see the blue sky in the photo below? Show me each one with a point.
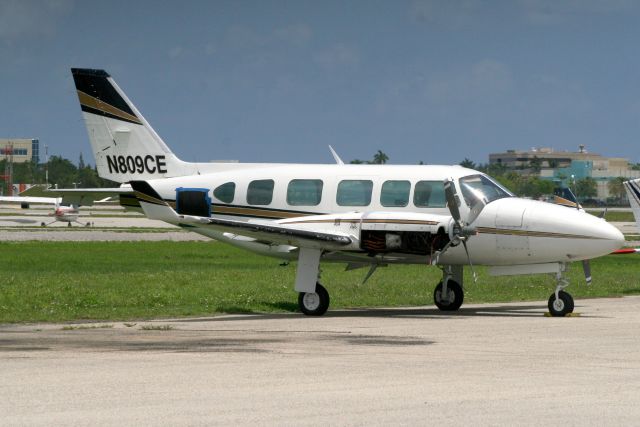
(274, 81)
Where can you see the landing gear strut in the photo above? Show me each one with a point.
(560, 302)
(449, 295)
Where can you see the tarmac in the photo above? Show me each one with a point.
(486, 365)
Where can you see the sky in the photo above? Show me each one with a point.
(278, 81)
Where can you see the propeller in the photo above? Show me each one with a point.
(461, 231)
(586, 266)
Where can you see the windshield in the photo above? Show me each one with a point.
(476, 187)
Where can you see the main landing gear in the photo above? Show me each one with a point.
(314, 303)
(560, 302)
(449, 294)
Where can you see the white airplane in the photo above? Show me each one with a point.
(60, 213)
(632, 187)
(67, 201)
(362, 215)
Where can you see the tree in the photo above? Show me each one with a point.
(380, 158)
(586, 188)
(535, 164)
(62, 172)
(616, 188)
(357, 162)
(467, 163)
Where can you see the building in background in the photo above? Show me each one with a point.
(24, 150)
(562, 166)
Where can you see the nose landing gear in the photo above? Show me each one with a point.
(560, 302)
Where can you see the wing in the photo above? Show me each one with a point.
(31, 199)
(272, 232)
(268, 231)
(90, 196)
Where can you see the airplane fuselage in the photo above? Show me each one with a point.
(510, 230)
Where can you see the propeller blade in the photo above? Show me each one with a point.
(586, 266)
(452, 199)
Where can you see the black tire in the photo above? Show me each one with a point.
(455, 300)
(314, 303)
(563, 306)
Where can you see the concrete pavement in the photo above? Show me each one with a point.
(488, 364)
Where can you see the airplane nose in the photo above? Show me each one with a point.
(615, 236)
(607, 238)
(575, 235)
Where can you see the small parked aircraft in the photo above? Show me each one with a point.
(60, 213)
(68, 201)
(362, 215)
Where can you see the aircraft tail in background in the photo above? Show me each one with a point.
(633, 192)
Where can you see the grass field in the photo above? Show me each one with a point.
(613, 216)
(62, 281)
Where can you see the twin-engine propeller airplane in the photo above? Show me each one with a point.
(362, 215)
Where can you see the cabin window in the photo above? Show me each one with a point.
(395, 193)
(354, 192)
(429, 194)
(225, 192)
(260, 192)
(304, 192)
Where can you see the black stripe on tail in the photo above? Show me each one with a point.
(98, 96)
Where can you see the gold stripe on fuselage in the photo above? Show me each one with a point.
(527, 233)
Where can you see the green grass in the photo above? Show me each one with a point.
(63, 281)
(614, 216)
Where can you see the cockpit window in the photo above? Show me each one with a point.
(475, 187)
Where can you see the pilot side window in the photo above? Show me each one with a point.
(225, 192)
(429, 194)
(304, 192)
(395, 193)
(260, 192)
(354, 192)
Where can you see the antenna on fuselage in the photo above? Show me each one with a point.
(335, 156)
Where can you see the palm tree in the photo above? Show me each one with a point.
(380, 158)
(467, 163)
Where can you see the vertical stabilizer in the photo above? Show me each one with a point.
(633, 192)
(124, 145)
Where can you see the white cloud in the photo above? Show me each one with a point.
(175, 52)
(210, 49)
(550, 12)
(485, 80)
(21, 19)
(296, 34)
(337, 57)
(240, 37)
(453, 12)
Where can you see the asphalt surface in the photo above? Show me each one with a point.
(486, 365)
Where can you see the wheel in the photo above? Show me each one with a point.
(562, 306)
(314, 303)
(453, 300)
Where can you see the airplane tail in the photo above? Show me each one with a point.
(633, 192)
(124, 145)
